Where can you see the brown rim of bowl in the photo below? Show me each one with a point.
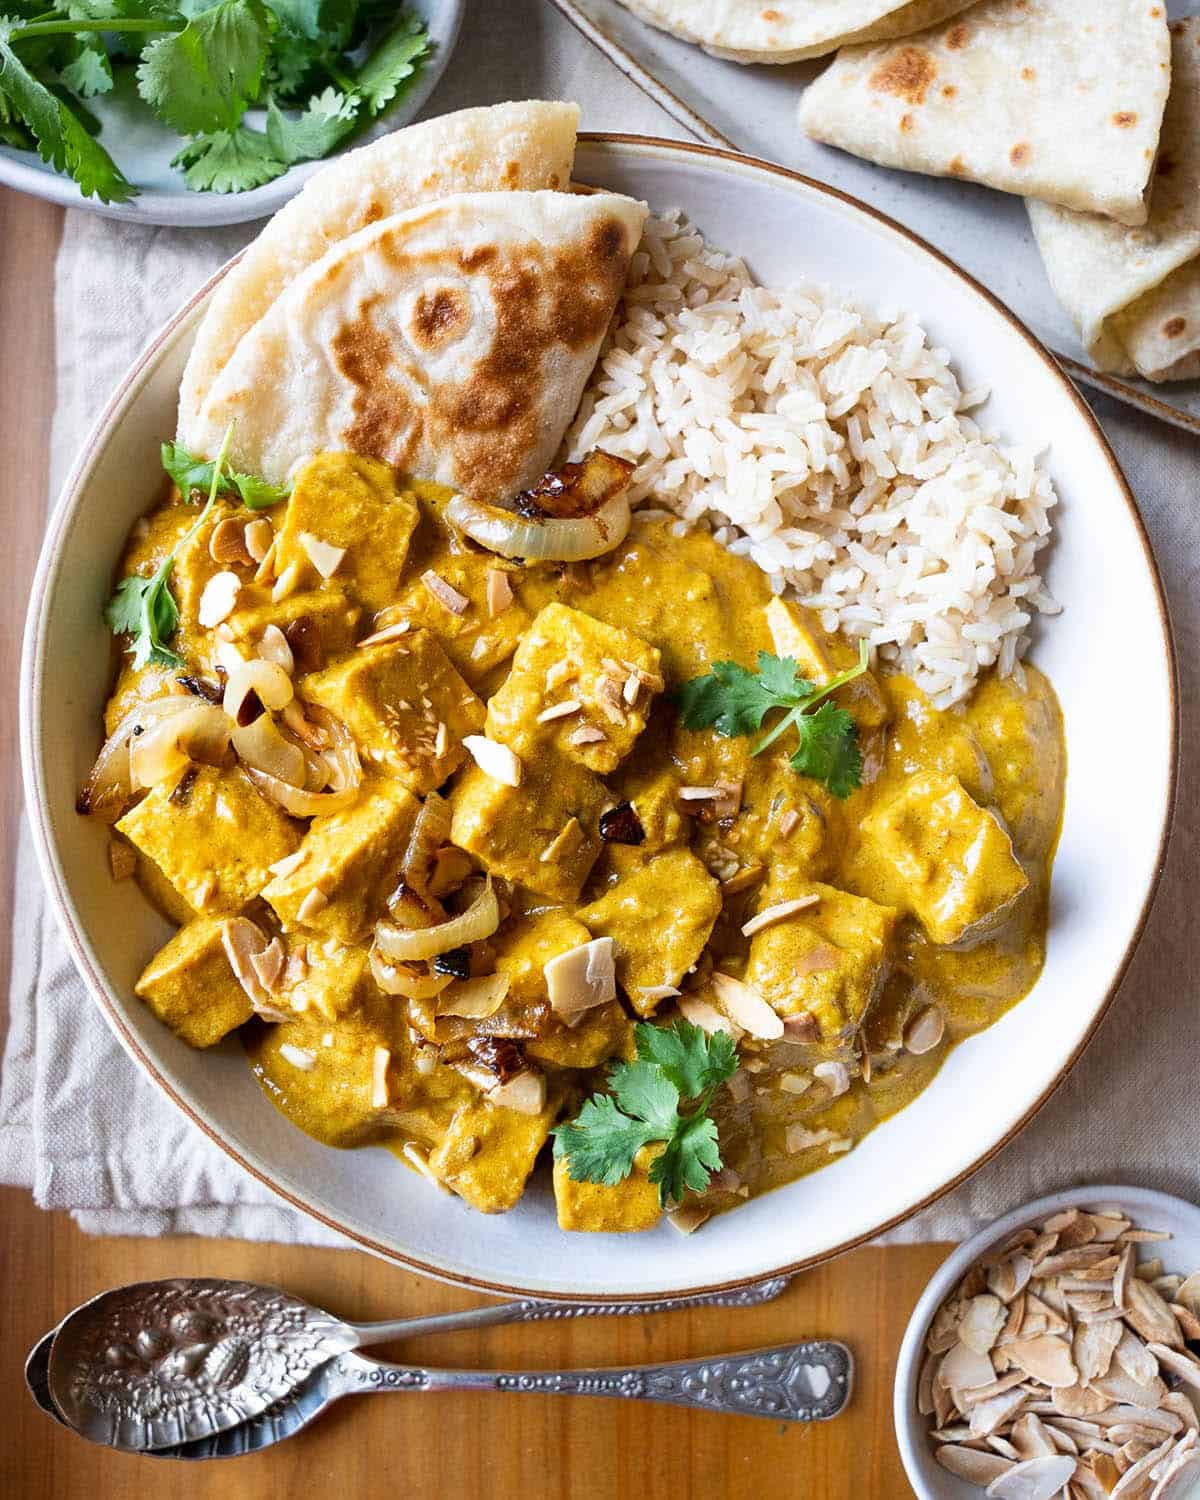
(96, 983)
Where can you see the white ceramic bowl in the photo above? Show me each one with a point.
(1112, 641)
(1148, 1210)
(143, 149)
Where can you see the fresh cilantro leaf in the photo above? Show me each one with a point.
(734, 701)
(327, 21)
(203, 78)
(676, 1066)
(828, 750)
(89, 72)
(228, 161)
(392, 67)
(291, 66)
(329, 118)
(190, 473)
(692, 1061)
(61, 138)
(145, 609)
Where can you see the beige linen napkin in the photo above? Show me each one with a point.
(83, 1128)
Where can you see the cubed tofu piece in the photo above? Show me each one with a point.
(659, 918)
(488, 1153)
(351, 503)
(320, 624)
(190, 986)
(920, 739)
(351, 858)
(405, 705)
(943, 858)
(625, 1208)
(604, 1031)
(566, 656)
(334, 983)
(212, 835)
(830, 959)
(476, 639)
(541, 834)
(526, 944)
(821, 657)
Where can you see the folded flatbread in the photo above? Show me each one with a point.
(1051, 99)
(453, 341)
(1135, 293)
(519, 146)
(787, 31)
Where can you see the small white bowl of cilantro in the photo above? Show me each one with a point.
(204, 112)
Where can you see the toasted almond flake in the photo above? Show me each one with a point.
(651, 680)
(269, 964)
(122, 859)
(835, 1076)
(227, 544)
(388, 633)
(587, 734)
(795, 1083)
(288, 863)
(241, 938)
(655, 992)
(746, 877)
(564, 844)
(494, 759)
(380, 1059)
(203, 892)
(744, 1005)
(419, 1161)
(1143, 1236)
(524, 1093)
(266, 568)
(562, 671)
(273, 647)
(299, 1057)
(323, 555)
(1150, 1315)
(445, 593)
(925, 1030)
(499, 592)
(788, 820)
(286, 583)
(779, 912)
(633, 686)
(971, 1464)
(698, 793)
(688, 1218)
(218, 599)
(257, 536)
(441, 740)
(561, 710)
(327, 1039)
(699, 1012)
(313, 904)
(581, 978)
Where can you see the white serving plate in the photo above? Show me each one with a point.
(143, 149)
(1147, 1208)
(1113, 640)
(753, 108)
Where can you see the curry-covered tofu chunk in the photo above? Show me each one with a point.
(477, 636)
(350, 859)
(822, 657)
(319, 624)
(624, 1208)
(332, 984)
(600, 1033)
(526, 943)
(830, 959)
(405, 705)
(189, 985)
(567, 658)
(488, 1153)
(943, 858)
(352, 504)
(541, 833)
(212, 835)
(659, 918)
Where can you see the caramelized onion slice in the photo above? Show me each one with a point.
(581, 512)
(299, 802)
(395, 980)
(261, 747)
(404, 944)
(109, 785)
(200, 731)
(475, 999)
(430, 831)
(345, 767)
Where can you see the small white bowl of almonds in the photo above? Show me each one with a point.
(1057, 1354)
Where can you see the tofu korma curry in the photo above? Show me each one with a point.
(438, 839)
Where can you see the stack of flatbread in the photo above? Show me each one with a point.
(436, 299)
(1089, 112)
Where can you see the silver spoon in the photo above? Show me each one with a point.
(780, 1383)
(164, 1363)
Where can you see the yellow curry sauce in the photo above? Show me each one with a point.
(927, 921)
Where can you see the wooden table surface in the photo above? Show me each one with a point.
(417, 1447)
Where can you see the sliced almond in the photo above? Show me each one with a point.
(984, 1318)
(299, 1057)
(587, 734)
(1047, 1358)
(562, 710)
(227, 544)
(1179, 1362)
(836, 1078)
(744, 1005)
(494, 759)
(391, 632)
(780, 911)
(323, 555)
(269, 964)
(313, 904)
(925, 1030)
(971, 1464)
(286, 583)
(699, 1012)
(499, 592)
(218, 599)
(581, 978)
(445, 593)
(257, 537)
(1033, 1479)
(1151, 1315)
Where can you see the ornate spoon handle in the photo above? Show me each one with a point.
(531, 1310)
(806, 1382)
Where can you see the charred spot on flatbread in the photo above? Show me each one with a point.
(1019, 155)
(907, 74)
(1173, 327)
(439, 316)
(957, 36)
(1124, 118)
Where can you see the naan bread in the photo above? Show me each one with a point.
(522, 146)
(786, 31)
(1135, 293)
(1047, 98)
(453, 342)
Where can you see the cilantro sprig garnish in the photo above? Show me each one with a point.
(662, 1098)
(321, 69)
(191, 473)
(735, 701)
(145, 609)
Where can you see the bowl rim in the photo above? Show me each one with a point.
(37, 800)
(909, 1424)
